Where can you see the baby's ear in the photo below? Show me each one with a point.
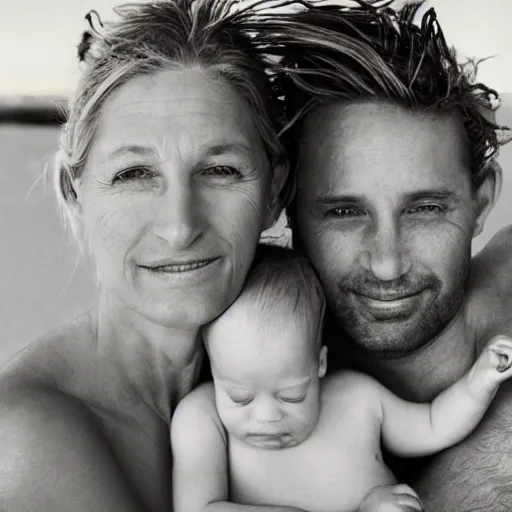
(322, 364)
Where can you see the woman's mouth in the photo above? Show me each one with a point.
(183, 273)
(179, 267)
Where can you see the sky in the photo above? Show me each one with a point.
(38, 40)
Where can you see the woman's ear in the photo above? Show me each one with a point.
(279, 192)
(322, 364)
(69, 191)
(486, 195)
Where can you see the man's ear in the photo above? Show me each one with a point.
(322, 365)
(487, 195)
(279, 192)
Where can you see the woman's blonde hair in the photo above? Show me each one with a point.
(147, 38)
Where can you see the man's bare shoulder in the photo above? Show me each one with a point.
(475, 474)
(489, 297)
(491, 268)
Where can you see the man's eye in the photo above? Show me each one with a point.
(346, 211)
(425, 208)
(134, 174)
(223, 171)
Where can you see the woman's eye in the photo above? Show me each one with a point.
(134, 174)
(223, 171)
(425, 208)
(346, 211)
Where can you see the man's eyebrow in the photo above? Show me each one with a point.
(332, 199)
(432, 194)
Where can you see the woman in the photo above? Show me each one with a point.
(169, 170)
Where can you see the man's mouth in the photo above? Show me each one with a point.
(389, 306)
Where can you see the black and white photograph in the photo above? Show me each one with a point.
(256, 256)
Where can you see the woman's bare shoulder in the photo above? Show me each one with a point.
(50, 359)
(50, 441)
(31, 383)
(51, 444)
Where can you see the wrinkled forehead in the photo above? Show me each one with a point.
(348, 144)
(183, 107)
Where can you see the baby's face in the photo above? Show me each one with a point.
(266, 375)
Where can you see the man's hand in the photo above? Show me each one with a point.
(391, 498)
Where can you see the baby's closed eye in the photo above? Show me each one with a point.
(240, 396)
(292, 399)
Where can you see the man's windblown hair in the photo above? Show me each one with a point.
(327, 53)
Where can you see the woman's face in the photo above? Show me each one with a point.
(174, 195)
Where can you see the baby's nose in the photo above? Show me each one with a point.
(266, 410)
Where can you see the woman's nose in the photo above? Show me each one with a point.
(384, 254)
(266, 410)
(179, 219)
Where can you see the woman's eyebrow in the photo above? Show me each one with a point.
(129, 149)
(135, 149)
(227, 147)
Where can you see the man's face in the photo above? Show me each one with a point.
(386, 214)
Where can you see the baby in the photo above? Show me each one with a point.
(272, 433)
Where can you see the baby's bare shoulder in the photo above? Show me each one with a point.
(350, 409)
(196, 418)
(200, 399)
(197, 411)
(347, 384)
(349, 393)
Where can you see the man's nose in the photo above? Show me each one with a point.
(384, 253)
(266, 410)
(179, 218)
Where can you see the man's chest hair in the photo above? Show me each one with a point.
(475, 475)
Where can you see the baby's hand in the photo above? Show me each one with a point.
(391, 498)
(494, 365)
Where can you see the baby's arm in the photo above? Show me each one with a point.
(200, 466)
(410, 429)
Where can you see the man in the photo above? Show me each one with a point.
(395, 176)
